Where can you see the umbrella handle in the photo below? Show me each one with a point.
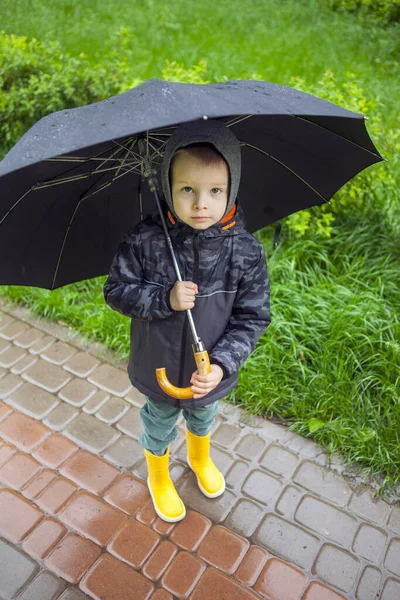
(203, 367)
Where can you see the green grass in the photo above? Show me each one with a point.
(275, 38)
(329, 363)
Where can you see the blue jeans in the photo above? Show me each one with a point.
(159, 423)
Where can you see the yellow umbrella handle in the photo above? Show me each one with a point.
(203, 367)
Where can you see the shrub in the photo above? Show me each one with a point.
(383, 11)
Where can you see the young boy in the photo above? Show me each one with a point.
(225, 284)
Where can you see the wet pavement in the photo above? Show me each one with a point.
(76, 518)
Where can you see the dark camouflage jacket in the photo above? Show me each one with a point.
(231, 309)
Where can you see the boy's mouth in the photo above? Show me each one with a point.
(200, 218)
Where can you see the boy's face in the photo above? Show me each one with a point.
(199, 191)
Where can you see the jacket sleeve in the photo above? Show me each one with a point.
(126, 290)
(250, 318)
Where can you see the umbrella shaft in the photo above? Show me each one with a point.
(175, 262)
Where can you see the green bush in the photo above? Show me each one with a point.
(383, 11)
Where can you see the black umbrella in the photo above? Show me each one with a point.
(71, 186)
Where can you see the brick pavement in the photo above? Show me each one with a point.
(76, 519)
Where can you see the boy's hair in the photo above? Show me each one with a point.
(206, 153)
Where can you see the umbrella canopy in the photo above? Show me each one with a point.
(70, 187)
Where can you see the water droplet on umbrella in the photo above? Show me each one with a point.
(205, 117)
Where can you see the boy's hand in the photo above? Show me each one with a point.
(203, 384)
(182, 295)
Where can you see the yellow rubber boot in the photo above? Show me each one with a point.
(210, 481)
(166, 501)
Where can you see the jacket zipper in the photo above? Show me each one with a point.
(185, 326)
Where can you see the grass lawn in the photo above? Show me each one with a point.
(329, 363)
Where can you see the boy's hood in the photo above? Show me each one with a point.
(203, 131)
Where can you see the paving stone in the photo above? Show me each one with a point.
(47, 376)
(24, 364)
(161, 594)
(394, 521)
(372, 510)
(369, 587)
(19, 470)
(39, 482)
(12, 330)
(134, 544)
(135, 397)
(227, 435)
(111, 578)
(28, 337)
(162, 527)
(237, 474)
(318, 591)
(93, 518)
(90, 472)
(147, 515)
(72, 557)
(326, 520)
(245, 517)
(177, 471)
(6, 451)
(3, 372)
(369, 543)
(288, 541)
(9, 384)
(280, 581)
(45, 586)
(17, 516)
(90, 433)
(112, 410)
(131, 423)
(252, 565)
(223, 549)
(44, 537)
(61, 416)
(55, 450)
(189, 533)
(392, 559)
(214, 584)
(336, 567)
(72, 594)
(4, 345)
(323, 482)
(81, 364)
(33, 401)
(58, 353)
(11, 356)
(126, 452)
(95, 402)
(77, 392)
(56, 494)
(140, 469)
(5, 319)
(288, 501)
(216, 509)
(250, 446)
(262, 487)
(278, 460)
(111, 380)
(22, 431)
(391, 590)
(128, 494)
(183, 574)
(159, 561)
(16, 569)
(42, 344)
(5, 410)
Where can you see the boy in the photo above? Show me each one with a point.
(225, 284)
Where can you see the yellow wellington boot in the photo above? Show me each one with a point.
(166, 501)
(210, 481)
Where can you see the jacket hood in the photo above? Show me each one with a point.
(203, 131)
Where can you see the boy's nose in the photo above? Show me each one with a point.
(200, 201)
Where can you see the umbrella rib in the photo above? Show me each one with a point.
(237, 120)
(286, 167)
(341, 136)
(73, 217)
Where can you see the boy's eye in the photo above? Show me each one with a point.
(187, 188)
(215, 190)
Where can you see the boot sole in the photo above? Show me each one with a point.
(215, 494)
(160, 514)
